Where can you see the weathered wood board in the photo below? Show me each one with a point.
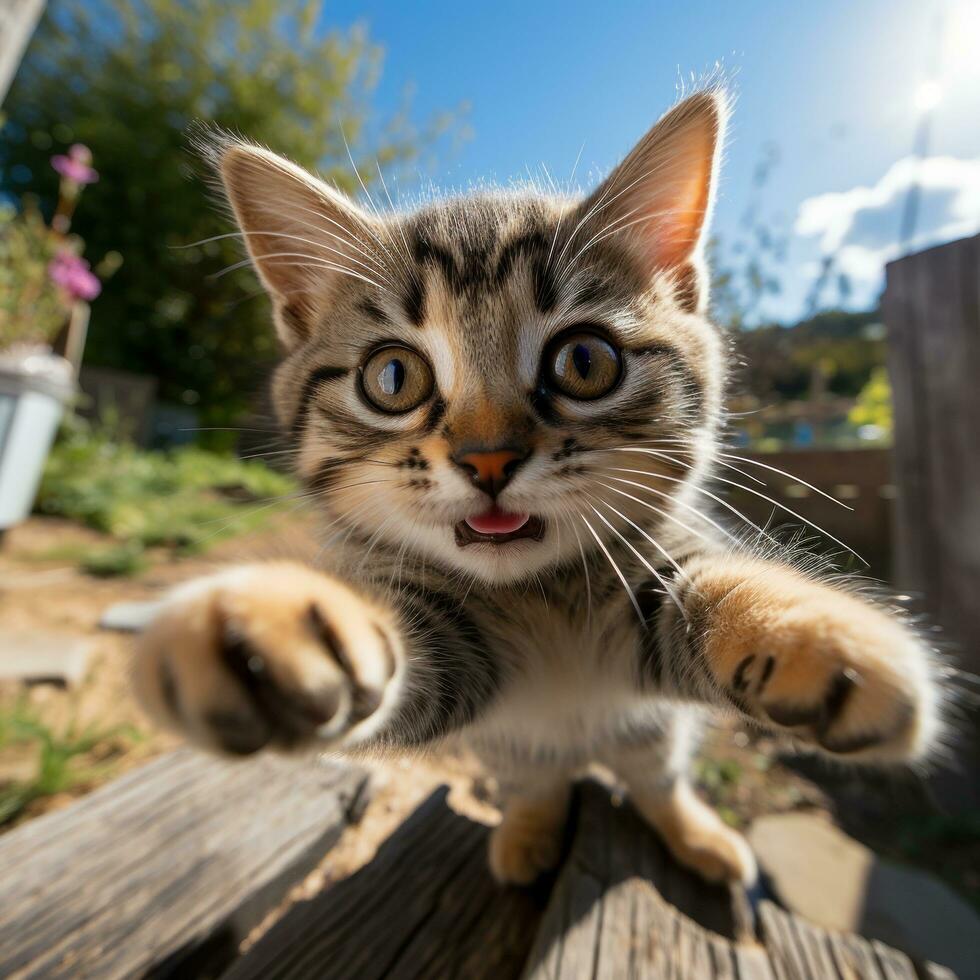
(622, 908)
(165, 870)
(425, 907)
(931, 308)
(163, 873)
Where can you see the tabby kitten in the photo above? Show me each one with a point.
(507, 406)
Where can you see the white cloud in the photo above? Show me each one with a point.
(860, 227)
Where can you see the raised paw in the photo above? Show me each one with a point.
(528, 840)
(268, 655)
(831, 669)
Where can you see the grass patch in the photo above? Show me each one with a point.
(59, 765)
(183, 499)
(124, 559)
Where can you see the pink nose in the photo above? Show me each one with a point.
(492, 470)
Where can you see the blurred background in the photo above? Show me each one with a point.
(136, 448)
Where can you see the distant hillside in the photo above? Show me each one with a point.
(833, 353)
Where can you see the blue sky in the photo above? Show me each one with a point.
(833, 85)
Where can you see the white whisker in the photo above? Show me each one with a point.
(707, 493)
(663, 513)
(791, 476)
(646, 564)
(649, 537)
(616, 569)
(585, 568)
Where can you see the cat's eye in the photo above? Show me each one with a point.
(583, 364)
(396, 379)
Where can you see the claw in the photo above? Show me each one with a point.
(794, 716)
(237, 733)
(291, 714)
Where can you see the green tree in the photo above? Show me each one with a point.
(127, 78)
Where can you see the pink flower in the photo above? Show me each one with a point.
(76, 165)
(73, 274)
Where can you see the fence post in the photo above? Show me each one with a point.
(931, 308)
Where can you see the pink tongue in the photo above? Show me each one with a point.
(496, 521)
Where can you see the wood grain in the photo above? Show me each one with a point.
(931, 308)
(800, 950)
(622, 908)
(425, 907)
(165, 870)
(162, 873)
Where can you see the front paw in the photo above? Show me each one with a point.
(268, 655)
(833, 670)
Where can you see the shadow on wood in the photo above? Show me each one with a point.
(424, 907)
(165, 871)
(619, 907)
(427, 907)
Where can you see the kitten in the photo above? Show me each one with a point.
(507, 405)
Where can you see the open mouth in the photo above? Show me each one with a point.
(496, 526)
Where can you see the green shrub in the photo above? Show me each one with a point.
(127, 78)
(122, 559)
(183, 499)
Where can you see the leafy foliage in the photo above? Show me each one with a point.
(42, 272)
(874, 403)
(31, 310)
(834, 352)
(127, 78)
(183, 499)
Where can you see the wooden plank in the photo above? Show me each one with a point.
(612, 913)
(567, 943)
(853, 957)
(752, 962)
(800, 950)
(787, 959)
(894, 965)
(424, 907)
(931, 307)
(930, 971)
(619, 944)
(165, 870)
(815, 948)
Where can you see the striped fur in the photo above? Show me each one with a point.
(603, 640)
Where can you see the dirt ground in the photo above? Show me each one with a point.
(744, 775)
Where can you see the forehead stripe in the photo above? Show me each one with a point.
(317, 378)
(414, 301)
(475, 269)
(372, 309)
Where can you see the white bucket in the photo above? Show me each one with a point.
(33, 393)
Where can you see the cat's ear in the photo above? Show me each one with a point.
(658, 200)
(303, 236)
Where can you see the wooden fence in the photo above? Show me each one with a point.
(932, 310)
(859, 478)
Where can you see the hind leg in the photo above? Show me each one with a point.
(657, 777)
(528, 840)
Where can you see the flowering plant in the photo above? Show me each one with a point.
(43, 276)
